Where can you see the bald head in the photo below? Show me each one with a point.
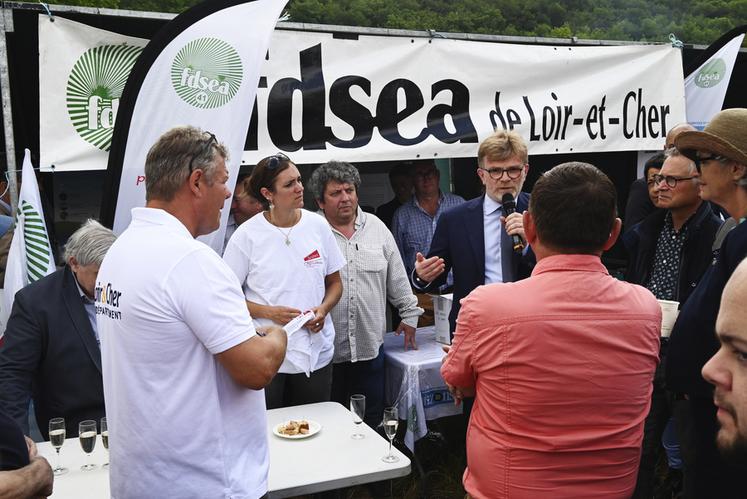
(726, 370)
(675, 131)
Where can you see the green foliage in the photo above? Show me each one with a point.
(692, 21)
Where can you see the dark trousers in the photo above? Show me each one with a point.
(286, 390)
(653, 428)
(683, 420)
(365, 377)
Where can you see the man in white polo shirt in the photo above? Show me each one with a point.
(183, 367)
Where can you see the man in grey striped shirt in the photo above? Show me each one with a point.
(374, 274)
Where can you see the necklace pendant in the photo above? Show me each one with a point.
(287, 241)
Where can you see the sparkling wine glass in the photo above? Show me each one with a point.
(358, 408)
(57, 438)
(391, 421)
(105, 438)
(87, 437)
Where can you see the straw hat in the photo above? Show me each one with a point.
(725, 135)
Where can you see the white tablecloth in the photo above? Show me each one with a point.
(325, 461)
(414, 383)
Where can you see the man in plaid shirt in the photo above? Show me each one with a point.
(374, 274)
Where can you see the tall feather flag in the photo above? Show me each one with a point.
(30, 255)
(203, 69)
(708, 78)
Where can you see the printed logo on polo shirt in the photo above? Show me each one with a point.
(207, 73)
(107, 300)
(312, 259)
(94, 88)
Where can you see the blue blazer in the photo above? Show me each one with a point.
(50, 352)
(460, 240)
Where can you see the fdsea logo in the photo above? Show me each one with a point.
(711, 74)
(94, 88)
(207, 73)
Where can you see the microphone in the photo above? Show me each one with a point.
(508, 206)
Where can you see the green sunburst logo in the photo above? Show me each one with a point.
(94, 88)
(207, 73)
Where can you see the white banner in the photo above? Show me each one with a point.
(206, 75)
(391, 98)
(82, 72)
(705, 88)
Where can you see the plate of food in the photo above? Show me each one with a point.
(296, 429)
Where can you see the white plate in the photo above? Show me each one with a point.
(314, 428)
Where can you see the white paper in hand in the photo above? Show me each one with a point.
(298, 322)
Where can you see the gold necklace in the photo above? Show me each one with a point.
(286, 235)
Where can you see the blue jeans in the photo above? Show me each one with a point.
(365, 377)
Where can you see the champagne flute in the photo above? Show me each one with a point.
(57, 438)
(87, 436)
(105, 438)
(391, 421)
(358, 408)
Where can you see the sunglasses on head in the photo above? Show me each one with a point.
(205, 147)
(276, 160)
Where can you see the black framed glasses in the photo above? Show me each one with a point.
(276, 160)
(699, 160)
(205, 147)
(670, 180)
(513, 172)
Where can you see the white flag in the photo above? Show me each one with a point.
(30, 256)
(705, 88)
(201, 69)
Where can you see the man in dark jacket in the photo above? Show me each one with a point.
(671, 253)
(51, 350)
(475, 239)
(720, 152)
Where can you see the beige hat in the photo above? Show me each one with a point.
(725, 135)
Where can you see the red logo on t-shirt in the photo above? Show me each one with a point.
(312, 256)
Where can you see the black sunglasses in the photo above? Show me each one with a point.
(700, 159)
(276, 160)
(208, 143)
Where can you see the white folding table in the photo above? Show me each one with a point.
(327, 460)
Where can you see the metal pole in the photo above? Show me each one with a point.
(10, 152)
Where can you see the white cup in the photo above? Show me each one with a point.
(669, 312)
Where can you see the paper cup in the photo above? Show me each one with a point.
(669, 312)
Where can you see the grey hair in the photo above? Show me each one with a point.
(89, 244)
(168, 160)
(673, 152)
(339, 171)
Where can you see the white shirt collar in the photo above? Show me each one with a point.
(157, 216)
(489, 205)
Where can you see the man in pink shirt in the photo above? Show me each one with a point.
(561, 363)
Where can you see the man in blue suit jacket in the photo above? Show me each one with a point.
(474, 239)
(50, 348)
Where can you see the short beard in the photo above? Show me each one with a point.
(734, 451)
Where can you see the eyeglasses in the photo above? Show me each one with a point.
(513, 172)
(208, 143)
(670, 180)
(276, 160)
(699, 160)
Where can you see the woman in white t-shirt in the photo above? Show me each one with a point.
(288, 263)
